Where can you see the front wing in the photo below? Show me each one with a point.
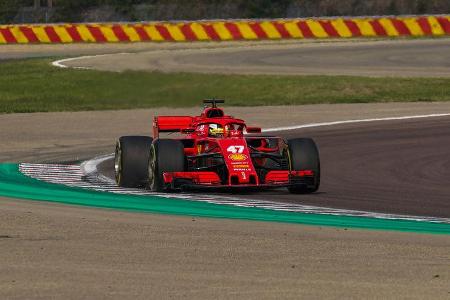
(211, 180)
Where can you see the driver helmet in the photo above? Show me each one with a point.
(215, 130)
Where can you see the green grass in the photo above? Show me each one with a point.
(33, 85)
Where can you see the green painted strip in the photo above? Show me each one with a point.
(14, 184)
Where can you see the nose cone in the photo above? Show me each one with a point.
(238, 161)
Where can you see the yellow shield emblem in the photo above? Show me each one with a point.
(237, 157)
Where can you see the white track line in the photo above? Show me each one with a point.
(61, 62)
(311, 125)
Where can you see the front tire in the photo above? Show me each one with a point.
(131, 159)
(165, 156)
(303, 155)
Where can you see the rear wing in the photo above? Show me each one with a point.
(170, 124)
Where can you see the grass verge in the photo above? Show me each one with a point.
(35, 86)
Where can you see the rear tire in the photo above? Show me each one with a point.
(303, 155)
(165, 156)
(131, 159)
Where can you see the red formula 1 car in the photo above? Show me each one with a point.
(215, 151)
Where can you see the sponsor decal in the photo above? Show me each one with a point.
(241, 167)
(237, 157)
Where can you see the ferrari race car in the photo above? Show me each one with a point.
(217, 151)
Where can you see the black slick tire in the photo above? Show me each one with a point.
(165, 156)
(131, 160)
(304, 155)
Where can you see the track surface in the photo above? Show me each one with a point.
(398, 167)
(419, 58)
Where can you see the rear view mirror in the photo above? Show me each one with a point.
(253, 129)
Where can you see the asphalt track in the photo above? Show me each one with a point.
(395, 167)
(405, 58)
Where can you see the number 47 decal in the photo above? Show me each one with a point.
(235, 149)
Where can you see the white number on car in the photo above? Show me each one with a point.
(235, 149)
